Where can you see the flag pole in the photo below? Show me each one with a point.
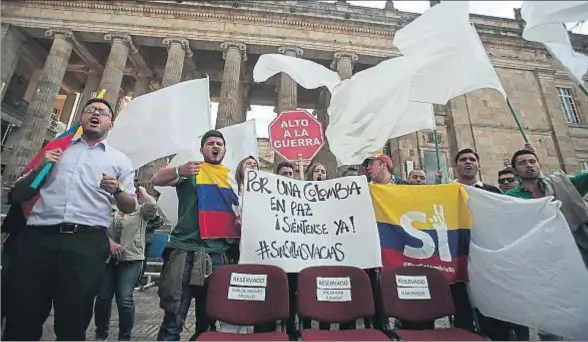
(583, 89)
(512, 111)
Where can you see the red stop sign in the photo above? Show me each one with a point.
(296, 132)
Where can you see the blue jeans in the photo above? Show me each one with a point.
(173, 323)
(119, 280)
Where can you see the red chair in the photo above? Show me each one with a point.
(360, 306)
(440, 304)
(247, 312)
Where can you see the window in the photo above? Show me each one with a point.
(568, 106)
(430, 165)
(583, 165)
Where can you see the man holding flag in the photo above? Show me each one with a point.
(198, 243)
(63, 248)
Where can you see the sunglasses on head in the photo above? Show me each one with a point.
(506, 180)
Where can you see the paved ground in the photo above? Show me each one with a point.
(149, 316)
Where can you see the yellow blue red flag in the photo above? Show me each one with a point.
(216, 199)
(426, 226)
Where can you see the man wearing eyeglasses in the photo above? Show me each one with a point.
(507, 180)
(64, 246)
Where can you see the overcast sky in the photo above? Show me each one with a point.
(264, 115)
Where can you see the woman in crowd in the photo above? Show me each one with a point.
(248, 163)
(316, 172)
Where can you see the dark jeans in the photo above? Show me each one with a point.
(59, 269)
(173, 323)
(119, 280)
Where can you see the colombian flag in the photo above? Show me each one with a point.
(18, 215)
(61, 142)
(426, 226)
(216, 199)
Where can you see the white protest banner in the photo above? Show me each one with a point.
(524, 265)
(296, 224)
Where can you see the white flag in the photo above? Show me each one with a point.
(308, 74)
(372, 107)
(241, 142)
(524, 265)
(449, 56)
(545, 24)
(162, 123)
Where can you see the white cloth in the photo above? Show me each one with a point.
(451, 57)
(545, 24)
(240, 140)
(372, 107)
(524, 265)
(162, 123)
(443, 57)
(307, 74)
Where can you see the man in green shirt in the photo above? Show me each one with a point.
(188, 259)
(568, 190)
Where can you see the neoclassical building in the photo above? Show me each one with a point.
(58, 54)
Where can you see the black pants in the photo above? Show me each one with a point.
(59, 269)
(464, 314)
(498, 330)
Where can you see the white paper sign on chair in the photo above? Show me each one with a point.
(247, 287)
(412, 287)
(333, 289)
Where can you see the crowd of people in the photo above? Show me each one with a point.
(84, 242)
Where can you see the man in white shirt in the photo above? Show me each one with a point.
(64, 247)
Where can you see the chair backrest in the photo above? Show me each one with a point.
(248, 294)
(415, 294)
(334, 294)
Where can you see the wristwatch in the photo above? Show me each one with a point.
(119, 189)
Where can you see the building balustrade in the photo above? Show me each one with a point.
(14, 106)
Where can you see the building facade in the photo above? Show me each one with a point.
(58, 54)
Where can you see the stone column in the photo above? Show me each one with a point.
(230, 109)
(121, 103)
(142, 84)
(389, 5)
(343, 63)
(13, 43)
(177, 48)
(288, 88)
(115, 66)
(564, 145)
(32, 133)
(33, 81)
(90, 90)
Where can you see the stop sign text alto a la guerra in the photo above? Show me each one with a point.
(296, 135)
